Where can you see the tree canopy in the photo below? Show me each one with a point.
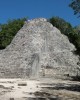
(9, 30)
(75, 5)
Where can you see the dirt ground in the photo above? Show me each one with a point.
(40, 89)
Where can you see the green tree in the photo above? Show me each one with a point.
(62, 25)
(77, 29)
(9, 30)
(75, 5)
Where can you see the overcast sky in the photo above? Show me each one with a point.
(11, 9)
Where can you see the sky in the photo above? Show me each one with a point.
(13, 9)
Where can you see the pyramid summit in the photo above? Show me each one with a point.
(38, 50)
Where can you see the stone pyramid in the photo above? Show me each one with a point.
(38, 50)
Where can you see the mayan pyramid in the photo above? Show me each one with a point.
(38, 48)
